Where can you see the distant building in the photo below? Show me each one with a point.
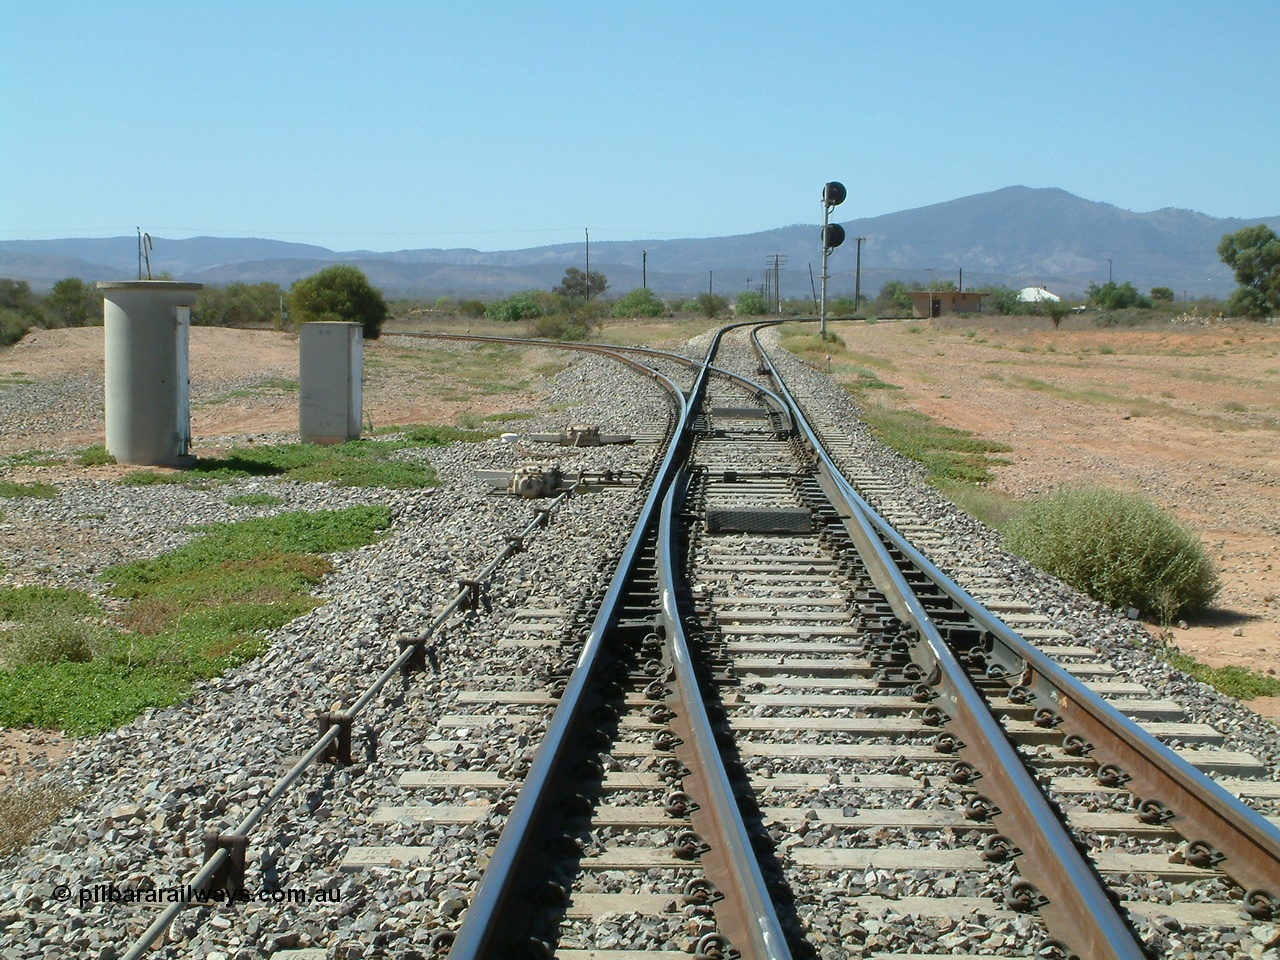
(1036, 295)
(939, 303)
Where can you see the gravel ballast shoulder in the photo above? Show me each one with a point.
(153, 787)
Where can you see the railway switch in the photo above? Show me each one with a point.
(536, 480)
(581, 435)
(539, 480)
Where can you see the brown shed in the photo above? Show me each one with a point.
(938, 303)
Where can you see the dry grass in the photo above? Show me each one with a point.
(26, 810)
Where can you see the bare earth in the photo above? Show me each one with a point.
(1187, 413)
(219, 360)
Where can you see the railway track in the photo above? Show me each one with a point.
(781, 731)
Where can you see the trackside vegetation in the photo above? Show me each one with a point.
(1238, 682)
(949, 456)
(28, 809)
(1120, 548)
(187, 615)
(356, 463)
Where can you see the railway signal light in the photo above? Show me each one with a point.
(833, 194)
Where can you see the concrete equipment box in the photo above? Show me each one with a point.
(330, 364)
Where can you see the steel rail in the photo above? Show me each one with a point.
(1241, 842)
(1076, 904)
(1203, 811)
(748, 917)
(479, 935)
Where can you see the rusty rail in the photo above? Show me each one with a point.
(746, 915)
(1067, 891)
(1223, 830)
(482, 925)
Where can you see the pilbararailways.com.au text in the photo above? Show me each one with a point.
(110, 893)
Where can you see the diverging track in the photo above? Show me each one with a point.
(779, 731)
(786, 724)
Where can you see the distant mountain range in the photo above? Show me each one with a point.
(1016, 236)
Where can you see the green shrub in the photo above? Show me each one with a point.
(52, 641)
(559, 326)
(641, 302)
(751, 304)
(339, 292)
(1121, 549)
(518, 306)
(13, 326)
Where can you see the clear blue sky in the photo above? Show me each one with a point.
(390, 124)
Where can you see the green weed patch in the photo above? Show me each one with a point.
(947, 454)
(992, 507)
(951, 457)
(357, 463)
(94, 456)
(34, 458)
(15, 490)
(437, 435)
(1235, 682)
(254, 500)
(45, 603)
(191, 614)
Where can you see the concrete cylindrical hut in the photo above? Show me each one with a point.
(147, 323)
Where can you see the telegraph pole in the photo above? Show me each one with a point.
(857, 276)
(773, 282)
(644, 269)
(588, 276)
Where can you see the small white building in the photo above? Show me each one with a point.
(1036, 295)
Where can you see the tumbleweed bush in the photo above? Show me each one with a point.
(1120, 548)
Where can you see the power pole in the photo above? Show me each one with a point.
(772, 282)
(588, 276)
(857, 276)
(644, 269)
